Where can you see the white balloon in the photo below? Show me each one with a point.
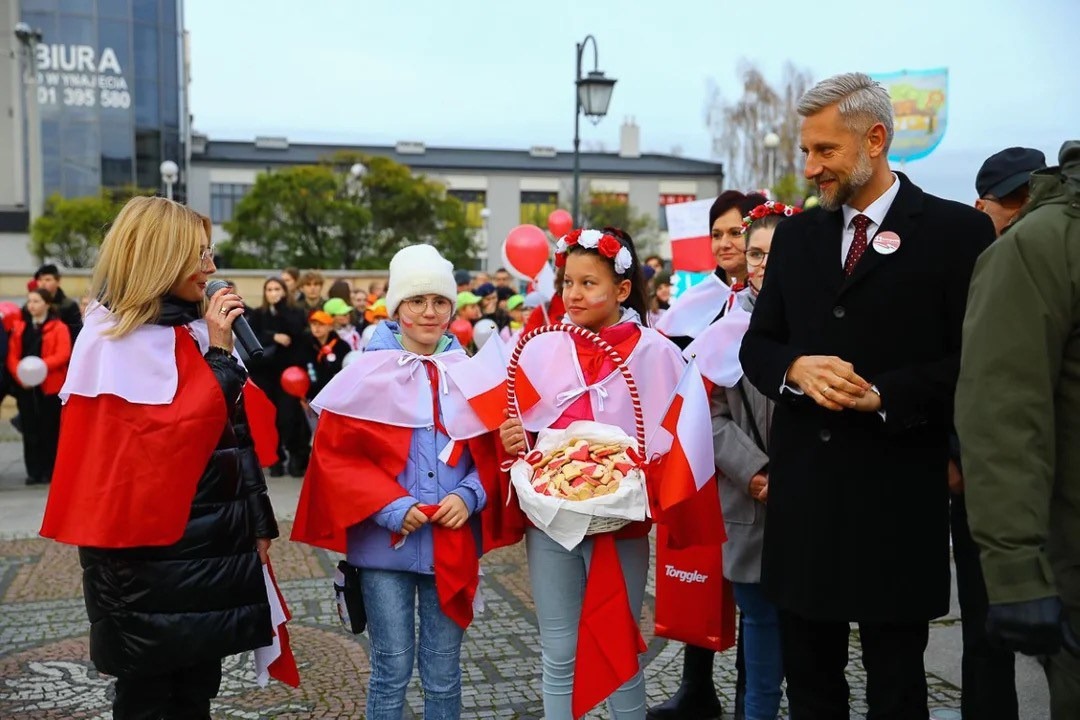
(369, 332)
(350, 358)
(31, 371)
(483, 330)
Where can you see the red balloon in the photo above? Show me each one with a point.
(462, 330)
(526, 249)
(295, 381)
(9, 313)
(560, 223)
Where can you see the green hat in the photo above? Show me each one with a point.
(515, 302)
(467, 298)
(336, 306)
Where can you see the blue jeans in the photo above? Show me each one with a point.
(761, 648)
(558, 580)
(389, 598)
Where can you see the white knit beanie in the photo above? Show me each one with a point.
(419, 270)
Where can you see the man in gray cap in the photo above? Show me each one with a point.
(1002, 183)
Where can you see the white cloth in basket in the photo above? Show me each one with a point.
(567, 521)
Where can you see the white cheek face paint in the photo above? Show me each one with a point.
(406, 322)
(599, 300)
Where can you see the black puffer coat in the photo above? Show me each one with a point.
(156, 609)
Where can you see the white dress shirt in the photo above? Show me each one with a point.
(876, 211)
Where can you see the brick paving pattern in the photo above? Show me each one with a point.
(45, 670)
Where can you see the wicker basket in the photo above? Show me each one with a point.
(597, 525)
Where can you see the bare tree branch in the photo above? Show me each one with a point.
(738, 127)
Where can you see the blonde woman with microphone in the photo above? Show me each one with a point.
(156, 479)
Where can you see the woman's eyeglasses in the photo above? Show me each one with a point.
(207, 253)
(755, 257)
(419, 305)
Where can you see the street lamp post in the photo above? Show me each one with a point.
(354, 189)
(170, 173)
(36, 180)
(771, 142)
(592, 94)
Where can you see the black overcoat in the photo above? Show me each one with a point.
(858, 523)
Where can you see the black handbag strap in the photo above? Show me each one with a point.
(750, 414)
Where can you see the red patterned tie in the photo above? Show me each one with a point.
(858, 245)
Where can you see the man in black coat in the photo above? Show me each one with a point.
(856, 335)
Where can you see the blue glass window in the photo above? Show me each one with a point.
(145, 11)
(147, 113)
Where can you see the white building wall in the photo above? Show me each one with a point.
(504, 202)
(12, 155)
(503, 193)
(198, 189)
(15, 253)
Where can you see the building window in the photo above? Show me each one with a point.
(671, 199)
(609, 198)
(474, 201)
(536, 206)
(224, 198)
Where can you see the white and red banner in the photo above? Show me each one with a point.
(716, 348)
(690, 234)
(696, 308)
(276, 659)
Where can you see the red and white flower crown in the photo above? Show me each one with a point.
(606, 244)
(769, 207)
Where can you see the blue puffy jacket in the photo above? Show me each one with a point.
(427, 480)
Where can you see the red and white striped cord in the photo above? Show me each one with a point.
(620, 363)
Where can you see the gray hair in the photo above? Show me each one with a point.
(861, 101)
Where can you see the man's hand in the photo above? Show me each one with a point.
(452, 512)
(829, 381)
(282, 339)
(414, 519)
(263, 546)
(512, 435)
(869, 403)
(956, 479)
(759, 487)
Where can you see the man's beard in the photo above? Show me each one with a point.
(848, 186)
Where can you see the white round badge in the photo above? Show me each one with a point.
(886, 242)
(331, 357)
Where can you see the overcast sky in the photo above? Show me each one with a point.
(496, 73)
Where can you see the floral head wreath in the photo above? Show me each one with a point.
(606, 244)
(769, 207)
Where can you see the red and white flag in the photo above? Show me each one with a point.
(692, 311)
(479, 385)
(276, 659)
(716, 349)
(685, 494)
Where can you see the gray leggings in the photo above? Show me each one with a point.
(558, 587)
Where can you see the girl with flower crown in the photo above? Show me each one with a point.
(568, 377)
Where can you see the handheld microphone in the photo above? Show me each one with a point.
(240, 326)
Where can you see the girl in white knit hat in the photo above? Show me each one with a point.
(392, 483)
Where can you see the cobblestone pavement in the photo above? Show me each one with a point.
(45, 671)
